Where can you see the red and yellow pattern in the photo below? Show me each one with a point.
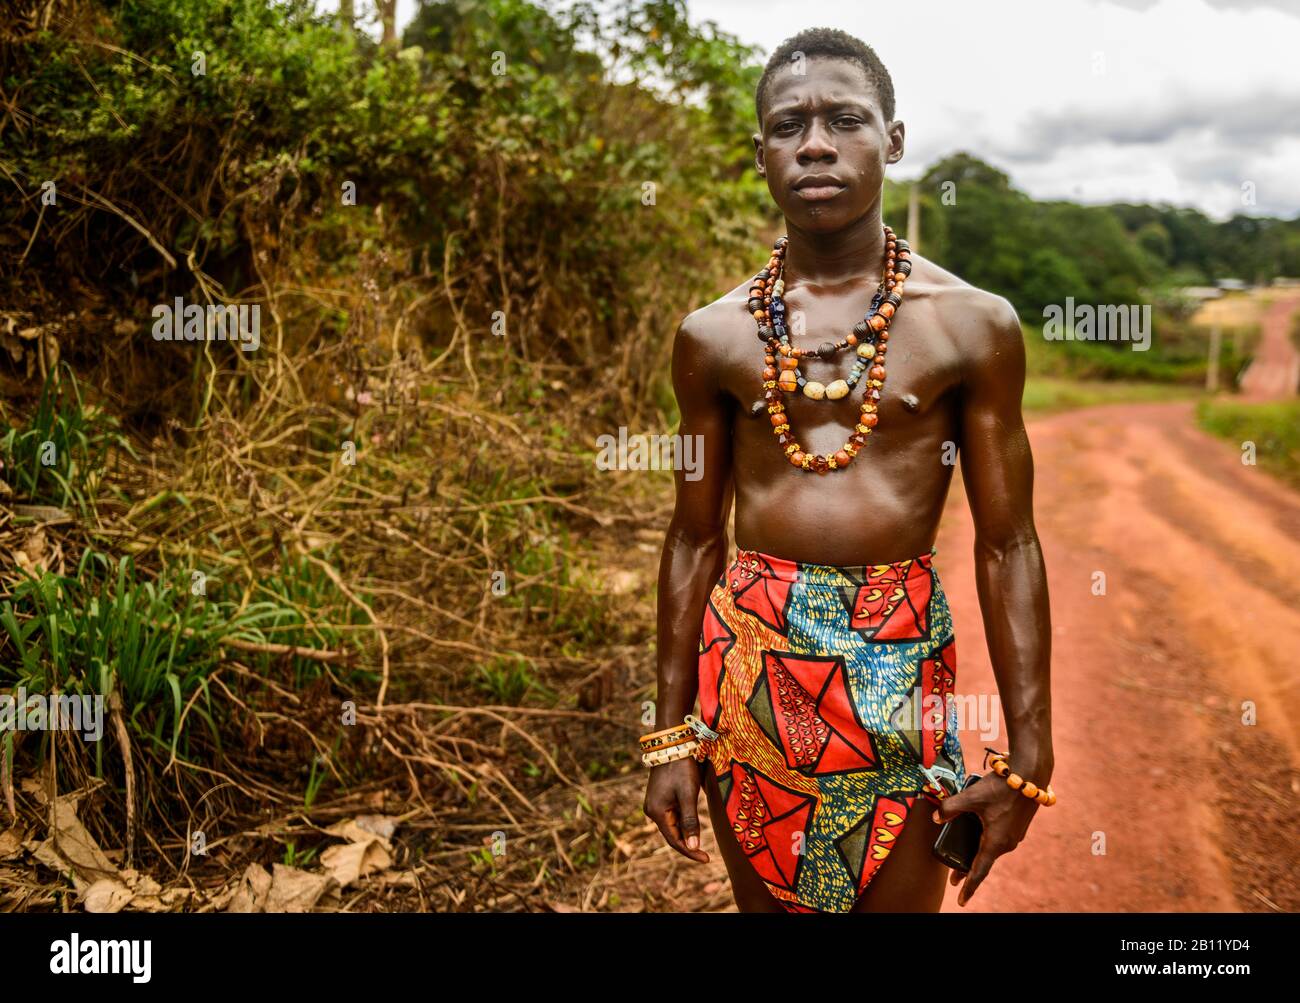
(809, 673)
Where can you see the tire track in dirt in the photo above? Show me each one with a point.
(1274, 372)
(1151, 681)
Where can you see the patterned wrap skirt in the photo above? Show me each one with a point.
(828, 686)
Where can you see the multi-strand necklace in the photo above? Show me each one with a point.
(870, 337)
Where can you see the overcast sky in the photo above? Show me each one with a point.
(1179, 101)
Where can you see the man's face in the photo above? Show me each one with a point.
(828, 122)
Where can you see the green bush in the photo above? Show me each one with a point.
(1273, 427)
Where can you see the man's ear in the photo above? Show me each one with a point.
(758, 155)
(895, 142)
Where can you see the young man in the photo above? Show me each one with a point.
(808, 650)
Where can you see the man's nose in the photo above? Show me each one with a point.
(817, 143)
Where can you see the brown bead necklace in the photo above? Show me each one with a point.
(870, 336)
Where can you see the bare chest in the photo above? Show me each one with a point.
(923, 372)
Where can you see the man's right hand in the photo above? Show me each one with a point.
(671, 799)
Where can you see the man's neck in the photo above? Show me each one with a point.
(830, 259)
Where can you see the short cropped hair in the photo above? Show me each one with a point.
(834, 44)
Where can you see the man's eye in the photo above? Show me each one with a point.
(848, 119)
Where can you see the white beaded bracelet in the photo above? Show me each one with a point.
(661, 756)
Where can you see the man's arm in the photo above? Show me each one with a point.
(694, 556)
(998, 473)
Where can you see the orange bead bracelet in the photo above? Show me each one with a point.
(997, 762)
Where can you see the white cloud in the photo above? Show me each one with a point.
(1138, 100)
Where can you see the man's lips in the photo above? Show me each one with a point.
(818, 193)
(818, 187)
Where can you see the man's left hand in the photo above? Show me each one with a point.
(1005, 815)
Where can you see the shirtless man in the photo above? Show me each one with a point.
(955, 376)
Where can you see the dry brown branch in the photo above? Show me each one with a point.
(124, 742)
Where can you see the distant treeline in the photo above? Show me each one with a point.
(1037, 253)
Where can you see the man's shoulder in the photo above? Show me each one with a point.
(718, 320)
(959, 300)
(977, 319)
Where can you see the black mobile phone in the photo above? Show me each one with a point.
(959, 838)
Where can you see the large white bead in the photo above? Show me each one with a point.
(867, 351)
(814, 390)
(836, 390)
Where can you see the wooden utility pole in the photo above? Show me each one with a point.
(914, 217)
(388, 15)
(1212, 371)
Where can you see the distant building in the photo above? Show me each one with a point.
(1200, 293)
(1231, 285)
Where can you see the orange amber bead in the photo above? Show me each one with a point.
(796, 458)
(876, 372)
(842, 458)
(887, 309)
(877, 323)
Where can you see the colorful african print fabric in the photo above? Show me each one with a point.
(826, 685)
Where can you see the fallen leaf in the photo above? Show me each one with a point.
(251, 893)
(351, 861)
(13, 346)
(11, 843)
(33, 788)
(172, 900)
(382, 826)
(294, 890)
(141, 884)
(76, 852)
(364, 828)
(106, 895)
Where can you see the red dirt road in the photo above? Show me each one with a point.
(1275, 371)
(1153, 682)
